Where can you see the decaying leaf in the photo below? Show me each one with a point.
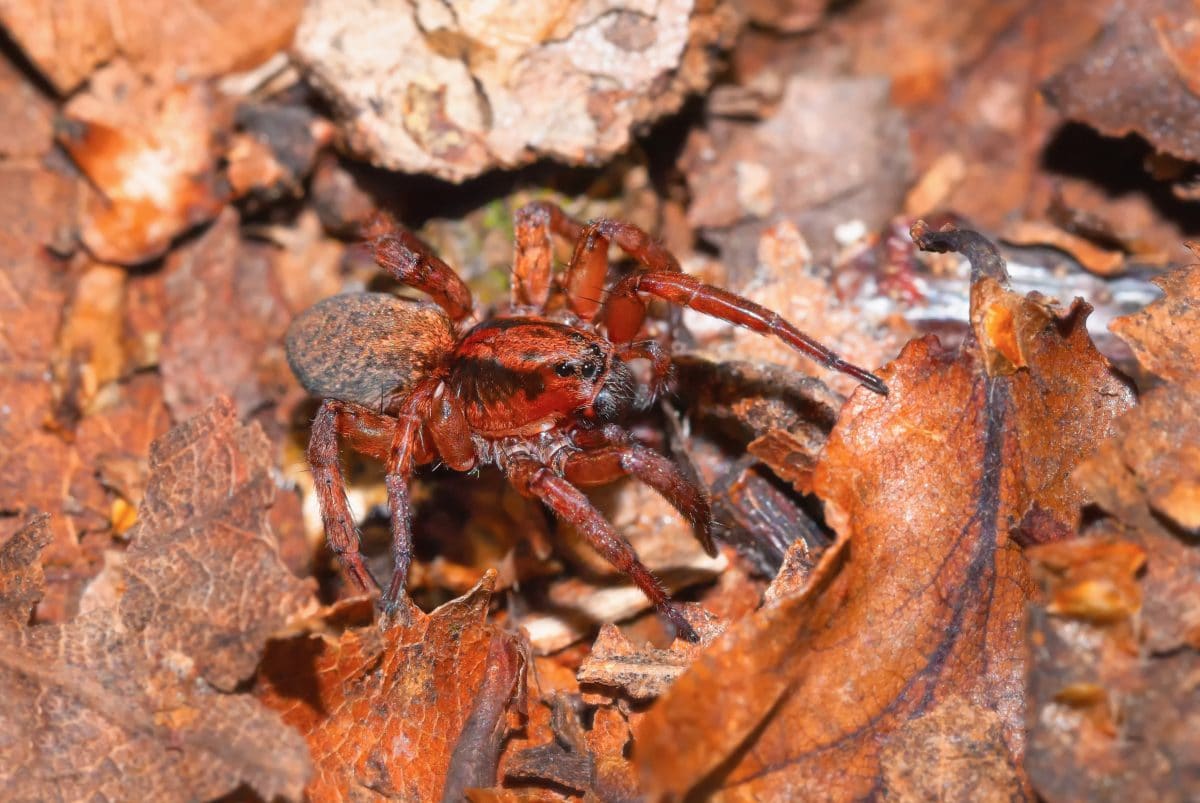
(66, 39)
(921, 598)
(1108, 720)
(1139, 75)
(384, 709)
(150, 158)
(643, 673)
(1148, 475)
(456, 88)
(225, 320)
(124, 701)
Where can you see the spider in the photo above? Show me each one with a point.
(538, 389)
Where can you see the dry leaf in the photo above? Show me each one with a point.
(1148, 475)
(644, 674)
(385, 707)
(905, 611)
(119, 702)
(1107, 720)
(149, 153)
(834, 151)
(66, 39)
(225, 321)
(1127, 81)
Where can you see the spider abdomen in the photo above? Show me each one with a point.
(363, 347)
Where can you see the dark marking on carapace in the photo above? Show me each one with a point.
(483, 381)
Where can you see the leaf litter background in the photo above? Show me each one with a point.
(984, 586)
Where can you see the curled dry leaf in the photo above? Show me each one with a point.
(149, 154)
(644, 673)
(120, 702)
(398, 712)
(1138, 76)
(66, 39)
(1101, 261)
(921, 598)
(457, 88)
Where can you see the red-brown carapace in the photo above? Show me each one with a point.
(539, 389)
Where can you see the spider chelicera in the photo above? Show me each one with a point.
(539, 389)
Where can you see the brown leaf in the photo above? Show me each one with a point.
(116, 703)
(643, 673)
(956, 751)
(967, 75)
(921, 598)
(35, 463)
(1107, 721)
(66, 39)
(384, 708)
(225, 323)
(1148, 474)
(202, 532)
(29, 115)
(1101, 261)
(149, 152)
(21, 576)
(1163, 336)
(1128, 80)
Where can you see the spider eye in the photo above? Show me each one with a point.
(590, 370)
(564, 368)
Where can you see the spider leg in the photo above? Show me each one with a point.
(402, 458)
(660, 364)
(451, 435)
(588, 271)
(323, 459)
(533, 479)
(533, 255)
(609, 463)
(625, 311)
(402, 254)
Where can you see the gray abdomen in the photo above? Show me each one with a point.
(363, 347)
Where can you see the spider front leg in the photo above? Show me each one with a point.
(610, 463)
(588, 271)
(421, 409)
(660, 365)
(533, 251)
(324, 461)
(625, 312)
(402, 254)
(533, 479)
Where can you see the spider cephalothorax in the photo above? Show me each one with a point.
(539, 394)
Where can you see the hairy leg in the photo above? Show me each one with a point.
(533, 255)
(588, 271)
(625, 312)
(401, 460)
(660, 364)
(568, 503)
(609, 463)
(325, 463)
(402, 254)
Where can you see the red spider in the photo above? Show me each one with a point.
(539, 393)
